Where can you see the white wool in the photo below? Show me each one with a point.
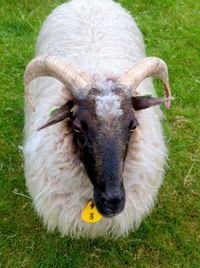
(102, 39)
(108, 106)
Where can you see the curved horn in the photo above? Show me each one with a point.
(76, 80)
(146, 67)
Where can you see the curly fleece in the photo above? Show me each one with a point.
(103, 39)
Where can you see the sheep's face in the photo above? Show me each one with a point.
(102, 125)
(102, 128)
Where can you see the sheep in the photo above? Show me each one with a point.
(104, 142)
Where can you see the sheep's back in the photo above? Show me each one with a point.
(99, 36)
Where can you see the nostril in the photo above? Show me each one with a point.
(105, 201)
(112, 201)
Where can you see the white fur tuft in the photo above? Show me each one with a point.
(108, 106)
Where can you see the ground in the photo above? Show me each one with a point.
(170, 236)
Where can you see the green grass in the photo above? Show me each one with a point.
(170, 236)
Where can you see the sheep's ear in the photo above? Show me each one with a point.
(59, 115)
(143, 102)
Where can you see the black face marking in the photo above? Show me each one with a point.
(103, 148)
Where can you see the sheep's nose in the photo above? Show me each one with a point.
(110, 203)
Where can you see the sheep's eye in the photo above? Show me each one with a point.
(76, 129)
(132, 130)
(83, 128)
(132, 126)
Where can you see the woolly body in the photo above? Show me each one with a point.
(102, 39)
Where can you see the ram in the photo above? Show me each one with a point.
(100, 143)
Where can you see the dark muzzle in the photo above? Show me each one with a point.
(110, 202)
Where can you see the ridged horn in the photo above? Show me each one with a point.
(146, 67)
(77, 81)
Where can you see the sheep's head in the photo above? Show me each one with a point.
(102, 122)
(102, 128)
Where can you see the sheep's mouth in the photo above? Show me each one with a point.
(111, 205)
(108, 212)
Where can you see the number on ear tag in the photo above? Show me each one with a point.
(90, 214)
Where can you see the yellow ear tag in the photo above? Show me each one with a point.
(90, 213)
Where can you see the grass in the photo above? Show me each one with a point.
(170, 236)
